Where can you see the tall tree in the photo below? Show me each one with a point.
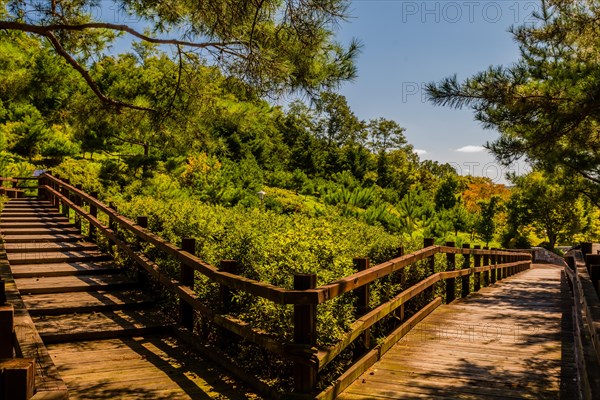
(341, 130)
(385, 136)
(547, 105)
(552, 210)
(446, 194)
(486, 224)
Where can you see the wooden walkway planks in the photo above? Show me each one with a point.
(150, 367)
(512, 340)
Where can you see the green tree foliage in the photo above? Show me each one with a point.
(446, 194)
(270, 247)
(545, 106)
(33, 92)
(274, 46)
(385, 136)
(486, 224)
(542, 203)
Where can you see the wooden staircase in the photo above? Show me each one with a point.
(78, 298)
(105, 335)
(72, 290)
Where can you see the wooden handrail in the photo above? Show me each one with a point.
(184, 292)
(270, 292)
(304, 355)
(586, 313)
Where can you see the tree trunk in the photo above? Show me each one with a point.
(552, 237)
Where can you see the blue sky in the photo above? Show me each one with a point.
(409, 43)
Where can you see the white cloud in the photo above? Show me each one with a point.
(471, 149)
(420, 152)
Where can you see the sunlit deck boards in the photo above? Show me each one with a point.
(512, 340)
(150, 367)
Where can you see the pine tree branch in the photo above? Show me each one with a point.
(60, 50)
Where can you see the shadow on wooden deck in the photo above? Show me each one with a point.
(151, 367)
(512, 340)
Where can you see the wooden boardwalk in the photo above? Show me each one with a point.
(109, 340)
(104, 334)
(512, 340)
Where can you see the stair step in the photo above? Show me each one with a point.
(31, 214)
(57, 257)
(41, 206)
(36, 224)
(41, 238)
(79, 283)
(82, 302)
(63, 269)
(29, 199)
(38, 231)
(12, 220)
(100, 325)
(27, 203)
(48, 247)
(30, 210)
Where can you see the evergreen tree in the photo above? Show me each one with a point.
(486, 224)
(546, 106)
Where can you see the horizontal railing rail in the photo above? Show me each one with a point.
(480, 267)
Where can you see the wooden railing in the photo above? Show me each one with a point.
(14, 188)
(480, 267)
(583, 271)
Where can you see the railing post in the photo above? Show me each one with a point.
(142, 222)
(477, 264)
(65, 193)
(7, 327)
(486, 262)
(497, 262)
(493, 271)
(591, 259)
(466, 279)
(93, 213)
(55, 199)
(570, 260)
(595, 275)
(586, 248)
(506, 272)
(428, 242)
(402, 280)
(450, 282)
(78, 202)
(186, 277)
(112, 225)
(362, 294)
(41, 193)
(305, 333)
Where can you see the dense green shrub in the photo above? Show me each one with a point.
(271, 247)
